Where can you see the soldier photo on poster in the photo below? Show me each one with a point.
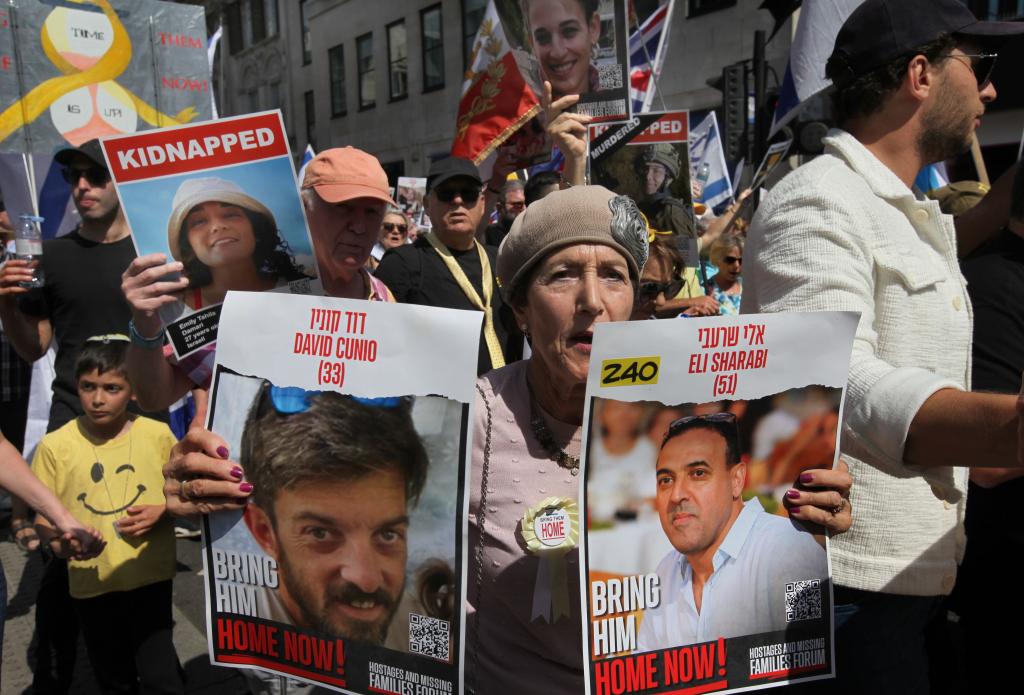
(647, 158)
(579, 46)
(696, 575)
(345, 568)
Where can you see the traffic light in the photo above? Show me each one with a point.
(734, 106)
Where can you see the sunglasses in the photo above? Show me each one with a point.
(469, 194)
(981, 64)
(391, 226)
(289, 400)
(96, 176)
(729, 260)
(650, 290)
(682, 423)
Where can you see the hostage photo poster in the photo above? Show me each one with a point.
(220, 197)
(346, 568)
(648, 158)
(580, 47)
(695, 578)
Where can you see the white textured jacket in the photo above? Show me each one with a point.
(844, 233)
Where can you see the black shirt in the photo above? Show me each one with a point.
(995, 283)
(81, 298)
(415, 274)
(496, 233)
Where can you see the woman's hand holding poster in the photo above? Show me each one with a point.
(347, 566)
(219, 197)
(696, 578)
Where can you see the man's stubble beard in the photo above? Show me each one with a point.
(370, 633)
(946, 130)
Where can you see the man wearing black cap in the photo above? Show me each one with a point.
(449, 268)
(846, 232)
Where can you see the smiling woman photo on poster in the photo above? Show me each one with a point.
(227, 240)
(565, 35)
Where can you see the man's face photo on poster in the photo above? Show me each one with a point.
(699, 483)
(335, 478)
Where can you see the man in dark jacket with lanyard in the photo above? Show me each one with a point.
(449, 268)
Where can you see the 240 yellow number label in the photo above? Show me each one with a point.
(631, 371)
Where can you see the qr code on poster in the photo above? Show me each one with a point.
(803, 600)
(610, 76)
(429, 636)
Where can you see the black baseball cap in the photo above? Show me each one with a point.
(880, 31)
(90, 149)
(450, 168)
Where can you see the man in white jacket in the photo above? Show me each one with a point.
(846, 232)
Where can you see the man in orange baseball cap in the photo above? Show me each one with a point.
(345, 193)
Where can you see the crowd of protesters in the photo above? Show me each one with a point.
(844, 232)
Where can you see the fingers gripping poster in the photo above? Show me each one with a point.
(220, 198)
(696, 578)
(346, 568)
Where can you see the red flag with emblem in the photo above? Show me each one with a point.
(496, 100)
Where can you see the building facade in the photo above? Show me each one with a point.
(386, 75)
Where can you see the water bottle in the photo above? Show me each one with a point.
(28, 246)
(703, 174)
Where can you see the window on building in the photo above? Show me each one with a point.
(259, 21)
(336, 66)
(307, 43)
(364, 61)
(472, 14)
(233, 17)
(398, 61)
(310, 119)
(270, 10)
(695, 8)
(433, 48)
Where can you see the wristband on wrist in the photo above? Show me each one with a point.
(139, 340)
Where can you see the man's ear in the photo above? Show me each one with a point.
(738, 478)
(920, 77)
(261, 528)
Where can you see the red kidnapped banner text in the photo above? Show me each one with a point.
(180, 150)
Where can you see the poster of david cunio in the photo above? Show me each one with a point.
(345, 567)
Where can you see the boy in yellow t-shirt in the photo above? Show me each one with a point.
(105, 467)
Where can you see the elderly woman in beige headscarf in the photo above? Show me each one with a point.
(571, 261)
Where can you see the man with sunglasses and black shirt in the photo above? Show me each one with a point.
(846, 232)
(81, 296)
(449, 268)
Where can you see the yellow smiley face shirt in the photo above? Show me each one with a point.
(98, 481)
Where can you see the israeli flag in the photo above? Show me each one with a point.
(931, 177)
(307, 157)
(706, 147)
(816, 32)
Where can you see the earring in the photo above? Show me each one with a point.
(526, 332)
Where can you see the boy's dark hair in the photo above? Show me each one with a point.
(866, 94)
(102, 355)
(336, 438)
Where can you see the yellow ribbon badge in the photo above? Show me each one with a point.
(551, 529)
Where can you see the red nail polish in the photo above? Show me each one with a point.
(236, 472)
(794, 511)
(245, 487)
(806, 478)
(222, 451)
(792, 494)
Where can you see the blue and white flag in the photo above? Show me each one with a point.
(648, 46)
(931, 177)
(816, 32)
(307, 157)
(706, 148)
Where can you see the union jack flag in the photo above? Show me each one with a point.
(647, 50)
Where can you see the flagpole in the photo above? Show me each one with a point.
(656, 66)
